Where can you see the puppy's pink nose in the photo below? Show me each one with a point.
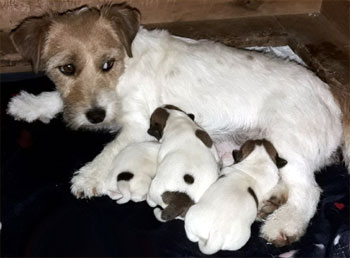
(96, 115)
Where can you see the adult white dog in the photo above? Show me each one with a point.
(115, 75)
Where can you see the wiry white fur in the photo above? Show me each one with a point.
(29, 107)
(222, 218)
(181, 153)
(140, 159)
(229, 92)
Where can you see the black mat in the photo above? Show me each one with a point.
(41, 218)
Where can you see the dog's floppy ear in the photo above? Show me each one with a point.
(271, 150)
(280, 163)
(29, 39)
(153, 131)
(125, 21)
(191, 116)
(237, 155)
(158, 122)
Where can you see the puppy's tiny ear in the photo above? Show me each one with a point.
(29, 39)
(191, 116)
(280, 163)
(155, 133)
(237, 155)
(125, 21)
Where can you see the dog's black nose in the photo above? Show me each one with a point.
(96, 115)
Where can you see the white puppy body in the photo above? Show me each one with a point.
(229, 91)
(182, 154)
(221, 220)
(132, 172)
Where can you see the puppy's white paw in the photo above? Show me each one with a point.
(114, 195)
(283, 227)
(85, 187)
(158, 214)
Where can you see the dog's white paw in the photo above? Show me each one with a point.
(85, 187)
(284, 226)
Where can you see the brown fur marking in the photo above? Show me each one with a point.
(173, 107)
(178, 205)
(188, 179)
(272, 204)
(204, 137)
(158, 122)
(249, 146)
(125, 176)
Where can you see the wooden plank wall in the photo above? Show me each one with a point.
(163, 11)
(337, 11)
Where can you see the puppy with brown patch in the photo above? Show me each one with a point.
(222, 218)
(133, 170)
(187, 162)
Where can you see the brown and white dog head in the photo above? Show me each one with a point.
(83, 52)
(249, 146)
(159, 119)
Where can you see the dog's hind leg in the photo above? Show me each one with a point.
(124, 188)
(289, 222)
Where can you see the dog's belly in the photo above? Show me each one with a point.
(226, 143)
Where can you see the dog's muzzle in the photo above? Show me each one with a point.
(96, 115)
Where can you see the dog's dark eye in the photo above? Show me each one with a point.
(67, 69)
(108, 65)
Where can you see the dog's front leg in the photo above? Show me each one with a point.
(89, 180)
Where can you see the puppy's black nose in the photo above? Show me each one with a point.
(96, 115)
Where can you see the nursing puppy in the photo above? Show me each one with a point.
(132, 172)
(116, 75)
(187, 162)
(222, 218)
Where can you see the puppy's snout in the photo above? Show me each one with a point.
(96, 115)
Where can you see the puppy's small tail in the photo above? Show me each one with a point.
(124, 189)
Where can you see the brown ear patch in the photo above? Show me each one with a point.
(252, 193)
(204, 137)
(178, 205)
(125, 176)
(270, 149)
(125, 21)
(29, 39)
(173, 107)
(158, 122)
(244, 151)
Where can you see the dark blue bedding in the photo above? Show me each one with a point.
(40, 217)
